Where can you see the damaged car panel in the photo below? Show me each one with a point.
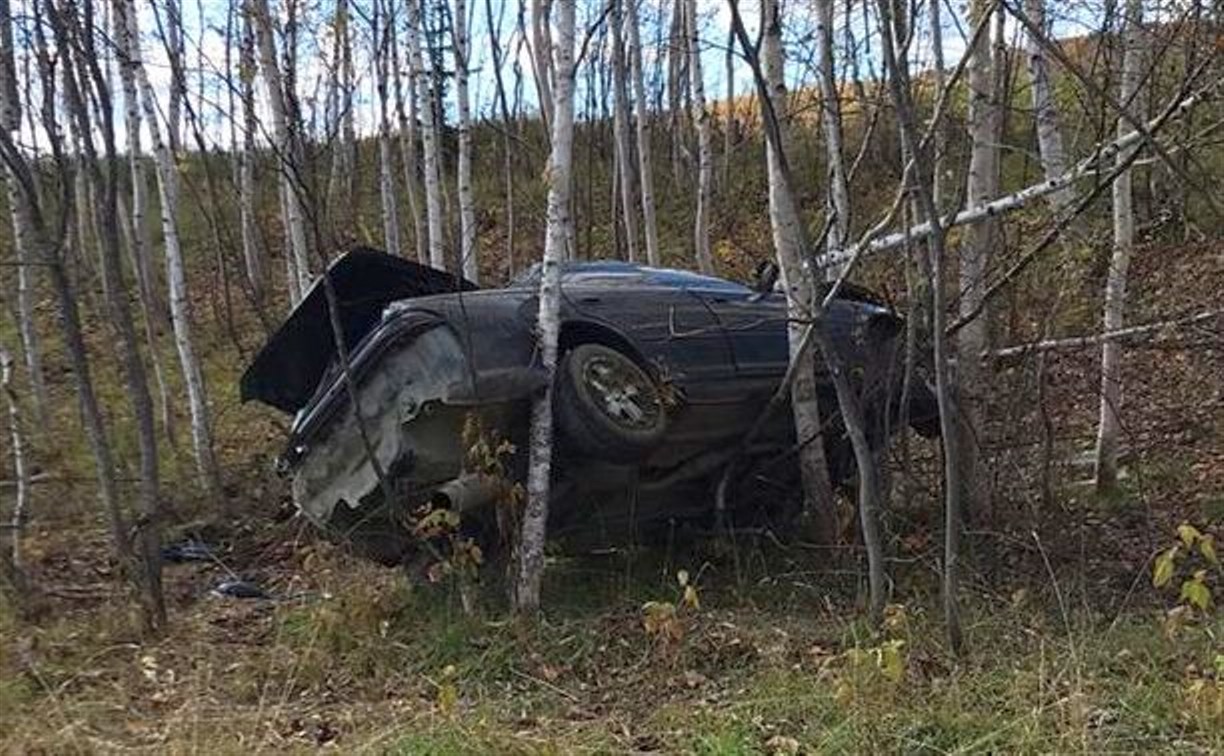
(662, 373)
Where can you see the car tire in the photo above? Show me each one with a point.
(607, 406)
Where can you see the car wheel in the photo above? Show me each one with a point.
(607, 406)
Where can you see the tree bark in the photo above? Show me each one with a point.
(468, 256)
(1109, 427)
(984, 122)
(287, 150)
(1045, 112)
(705, 160)
(180, 316)
(645, 158)
(429, 139)
(620, 128)
(837, 190)
(10, 114)
(535, 516)
(381, 32)
(900, 89)
(797, 281)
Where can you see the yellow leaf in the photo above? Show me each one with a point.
(892, 661)
(1188, 533)
(690, 597)
(1162, 573)
(1196, 593)
(1207, 549)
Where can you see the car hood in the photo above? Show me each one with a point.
(288, 369)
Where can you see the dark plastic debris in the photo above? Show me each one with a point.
(188, 551)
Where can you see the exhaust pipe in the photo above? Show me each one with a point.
(467, 493)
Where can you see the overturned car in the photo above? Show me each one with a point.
(662, 374)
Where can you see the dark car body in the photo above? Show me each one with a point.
(427, 351)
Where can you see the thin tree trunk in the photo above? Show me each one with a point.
(799, 286)
(705, 160)
(980, 239)
(469, 262)
(104, 188)
(381, 31)
(541, 59)
(252, 248)
(180, 316)
(31, 347)
(900, 88)
(620, 128)
(344, 156)
(21, 471)
(1045, 112)
(837, 190)
(539, 471)
(429, 139)
(408, 151)
(645, 159)
(676, 63)
(507, 121)
(1109, 428)
(287, 150)
(939, 71)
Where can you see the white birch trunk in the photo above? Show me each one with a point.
(180, 316)
(288, 154)
(531, 538)
(705, 160)
(252, 251)
(408, 141)
(429, 139)
(983, 183)
(1045, 113)
(1109, 427)
(469, 260)
(941, 133)
(796, 280)
(10, 121)
(344, 156)
(386, 157)
(21, 470)
(620, 129)
(837, 190)
(645, 158)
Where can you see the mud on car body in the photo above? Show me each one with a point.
(662, 374)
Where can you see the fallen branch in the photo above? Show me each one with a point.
(1086, 167)
(1079, 342)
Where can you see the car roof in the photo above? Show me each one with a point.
(617, 272)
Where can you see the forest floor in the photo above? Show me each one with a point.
(1070, 646)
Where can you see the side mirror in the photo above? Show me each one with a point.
(765, 277)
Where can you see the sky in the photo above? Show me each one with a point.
(208, 54)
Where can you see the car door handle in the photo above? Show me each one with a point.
(590, 299)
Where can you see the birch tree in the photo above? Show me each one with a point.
(796, 280)
(381, 31)
(705, 160)
(252, 249)
(344, 156)
(837, 191)
(288, 153)
(180, 316)
(85, 83)
(560, 164)
(1045, 113)
(429, 138)
(21, 469)
(1109, 426)
(644, 150)
(469, 262)
(620, 129)
(984, 123)
(10, 115)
